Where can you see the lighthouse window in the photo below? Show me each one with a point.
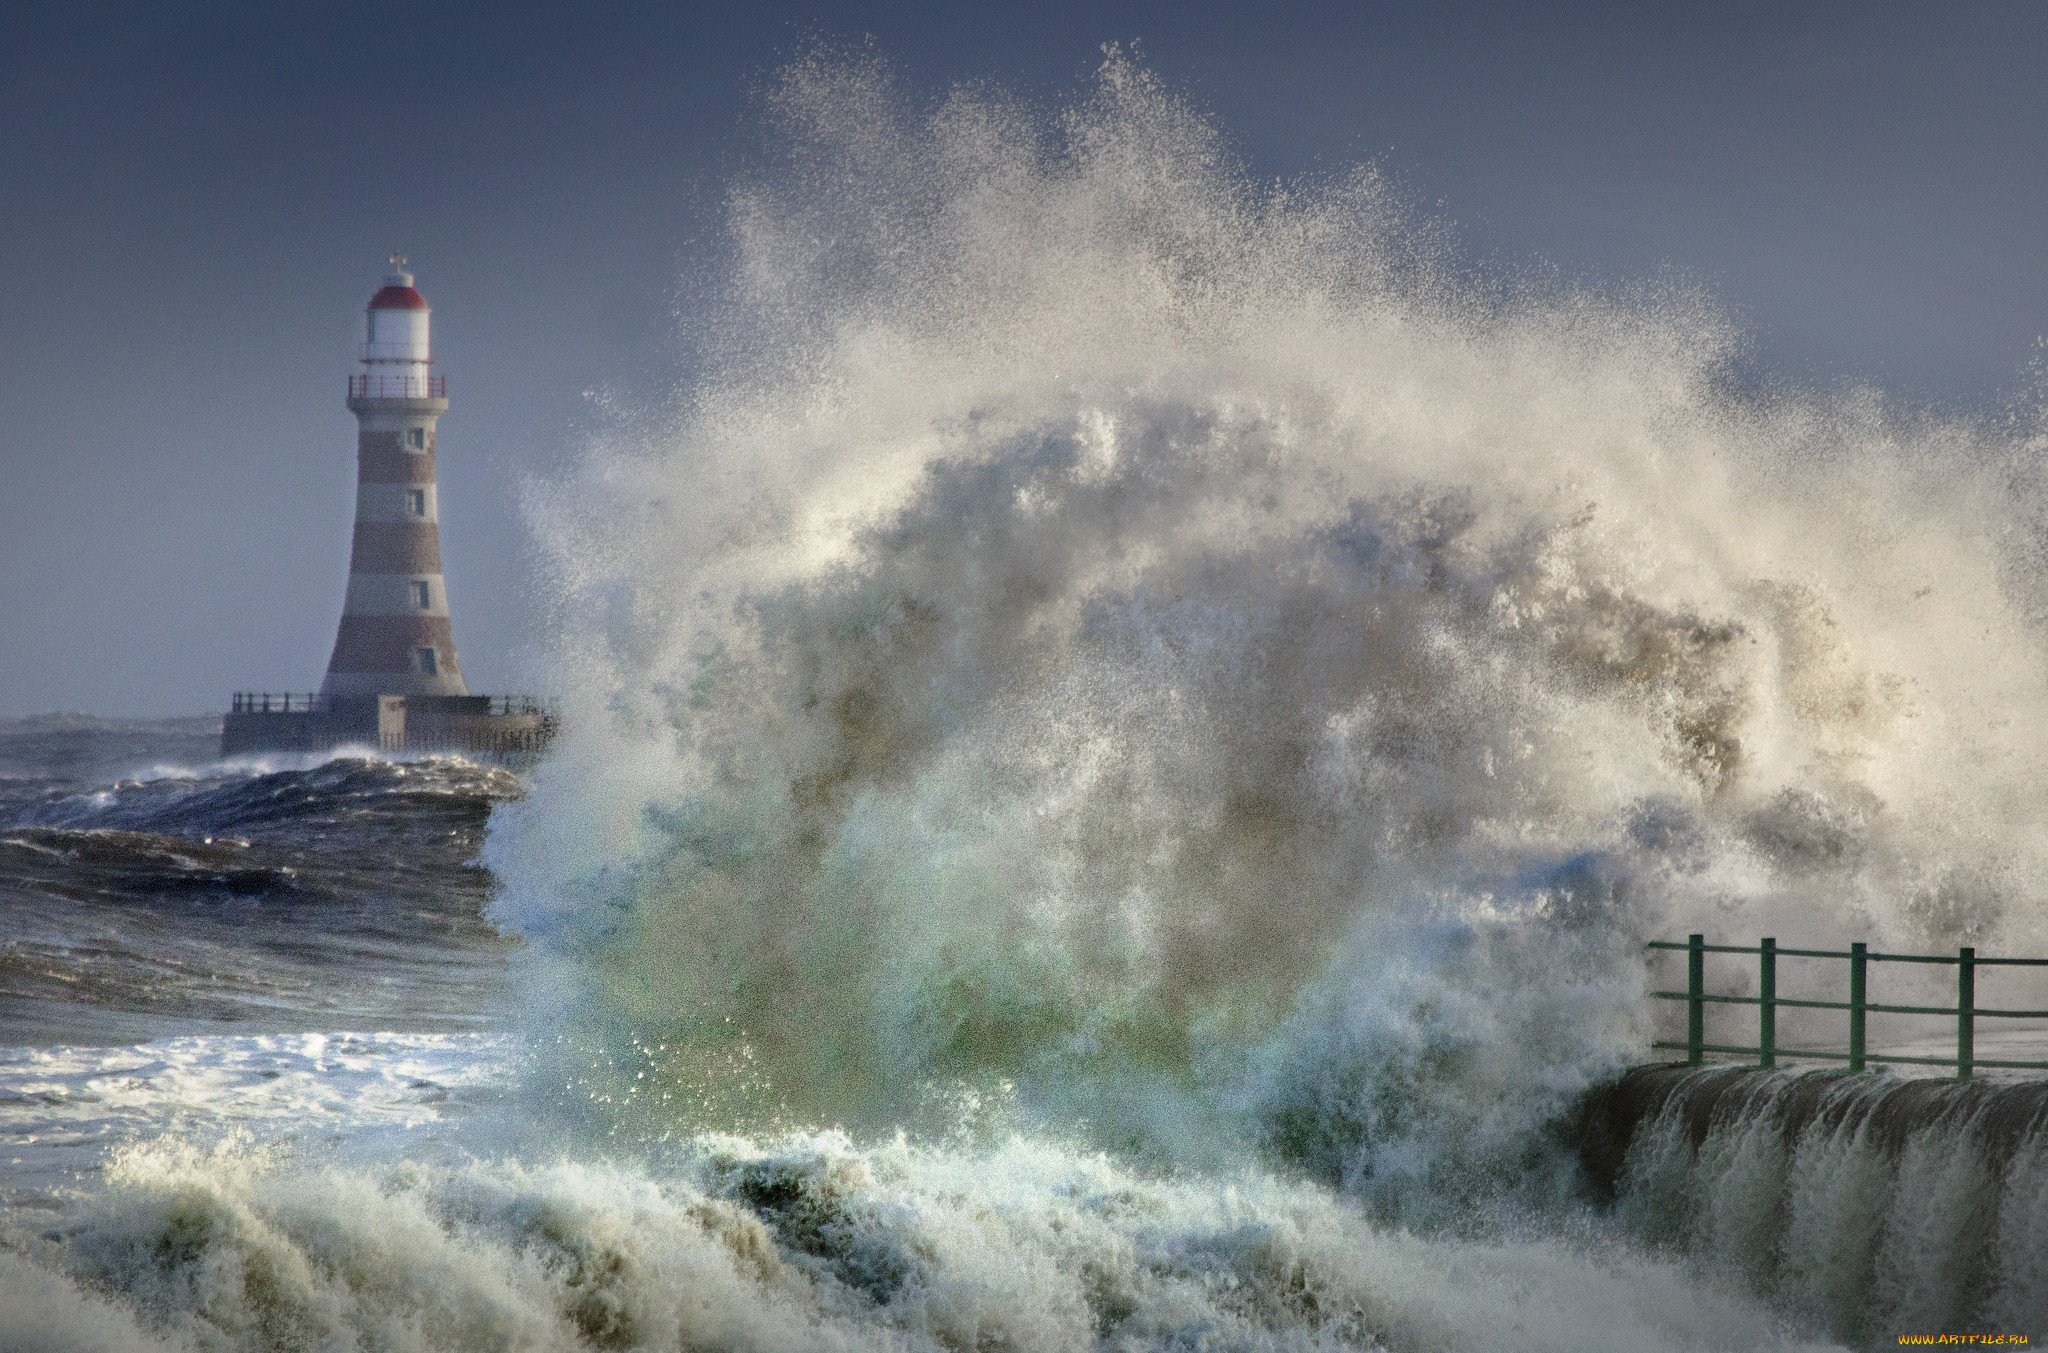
(416, 438)
(416, 502)
(428, 667)
(422, 597)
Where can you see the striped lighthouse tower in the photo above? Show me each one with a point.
(395, 638)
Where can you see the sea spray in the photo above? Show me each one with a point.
(1179, 658)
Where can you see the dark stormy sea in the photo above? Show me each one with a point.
(1124, 737)
(267, 1081)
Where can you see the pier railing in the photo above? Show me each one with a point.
(1767, 1051)
(285, 702)
(312, 702)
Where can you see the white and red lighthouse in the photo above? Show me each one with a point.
(395, 636)
(393, 682)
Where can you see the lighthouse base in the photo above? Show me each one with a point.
(508, 730)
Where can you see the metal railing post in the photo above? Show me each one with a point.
(1966, 1010)
(1767, 1005)
(1695, 1008)
(1859, 967)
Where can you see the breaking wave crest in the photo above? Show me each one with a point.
(253, 795)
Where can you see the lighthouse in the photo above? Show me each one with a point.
(395, 636)
(393, 682)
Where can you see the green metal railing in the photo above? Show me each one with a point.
(1767, 1001)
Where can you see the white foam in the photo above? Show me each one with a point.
(42, 1311)
(808, 1243)
(64, 1110)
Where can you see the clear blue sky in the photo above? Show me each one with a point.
(195, 202)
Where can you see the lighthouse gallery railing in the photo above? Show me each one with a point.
(398, 387)
(1767, 1050)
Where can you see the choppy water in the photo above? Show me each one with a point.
(148, 888)
(1121, 747)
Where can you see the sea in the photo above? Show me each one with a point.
(1126, 734)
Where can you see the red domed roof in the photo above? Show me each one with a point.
(398, 298)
